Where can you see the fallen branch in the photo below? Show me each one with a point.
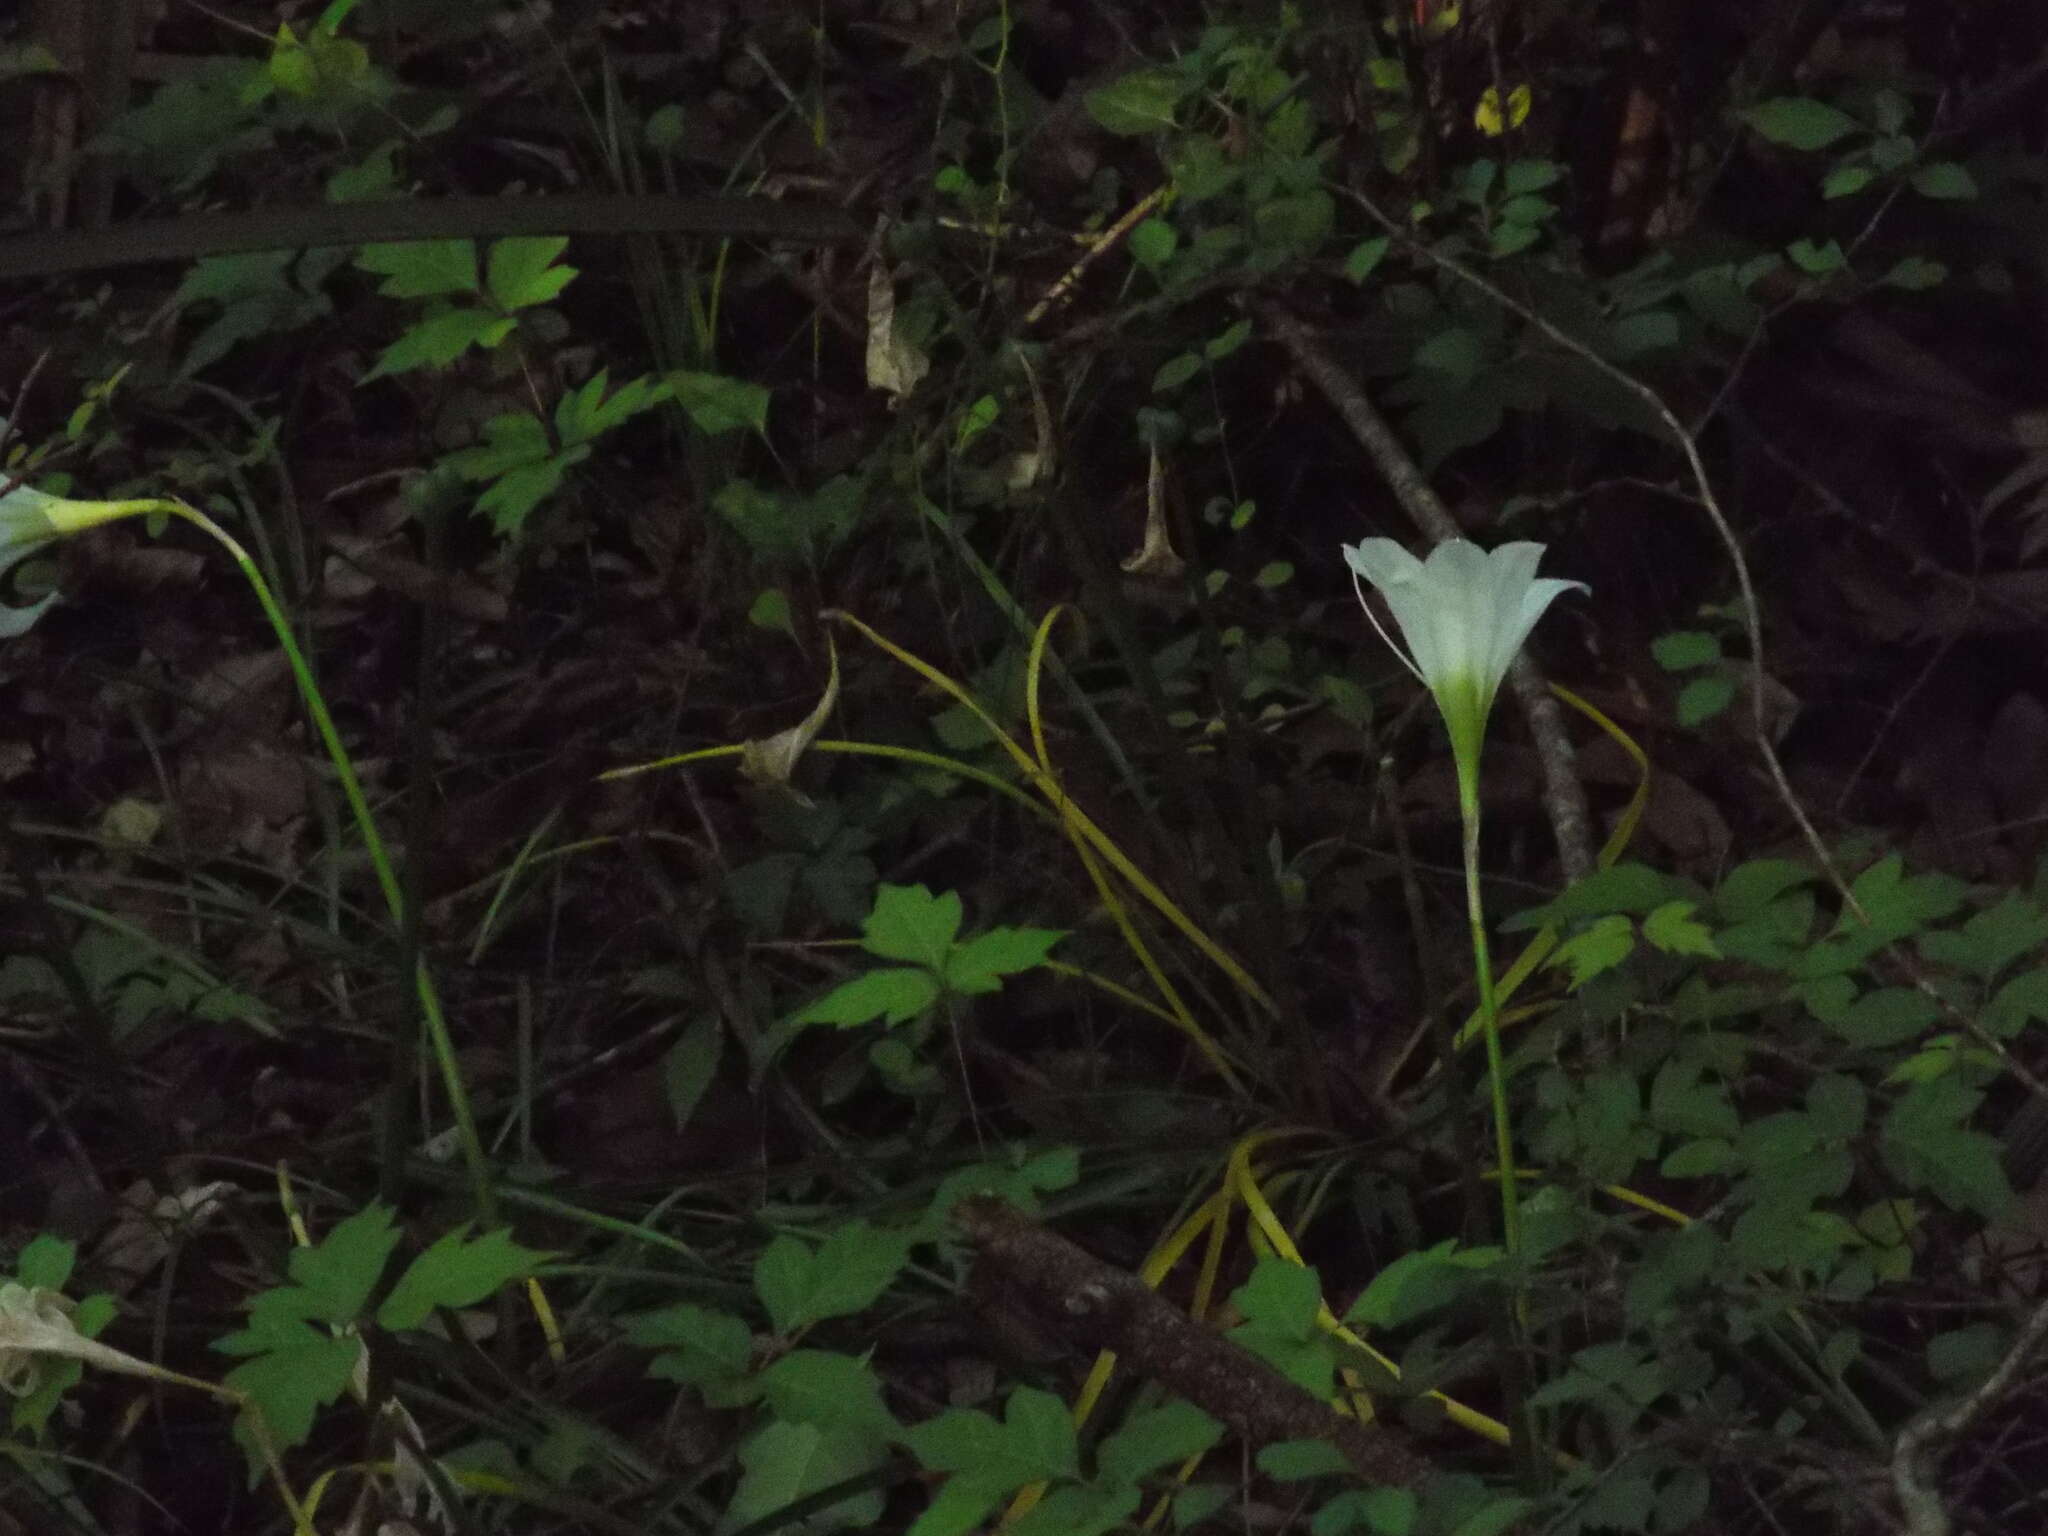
(1037, 1277)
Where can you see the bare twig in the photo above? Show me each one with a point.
(1061, 1294)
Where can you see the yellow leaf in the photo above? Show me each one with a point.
(1487, 116)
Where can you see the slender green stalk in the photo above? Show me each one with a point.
(431, 1012)
(1489, 1019)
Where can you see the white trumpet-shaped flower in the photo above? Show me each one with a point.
(30, 519)
(1464, 613)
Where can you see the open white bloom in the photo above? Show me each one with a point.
(1464, 613)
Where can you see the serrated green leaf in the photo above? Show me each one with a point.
(1595, 949)
(1816, 259)
(422, 269)
(338, 1273)
(520, 272)
(1281, 1296)
(455, 1272)
(909, 923)
(980, 964)
(1673, 929)
(302, 1370)
(1799, 122)
(894, 995)
(440, 339)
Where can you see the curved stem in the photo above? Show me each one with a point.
(429, 995)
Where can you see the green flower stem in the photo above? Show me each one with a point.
(431, 1012)
(1489, 1022)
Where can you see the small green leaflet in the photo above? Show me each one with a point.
(785, 1462)
(1035, 1440)
(1595, 949)
(457, 1271)
(1281, 1302)
(422, 269)
(845, 1274)
(894, 995)
(1673, 929)
(520, 273)
(1139, 103)
(1799, 122)
(910, 923)
(711, 1351)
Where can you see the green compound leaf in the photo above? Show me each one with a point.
(455, 1272)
